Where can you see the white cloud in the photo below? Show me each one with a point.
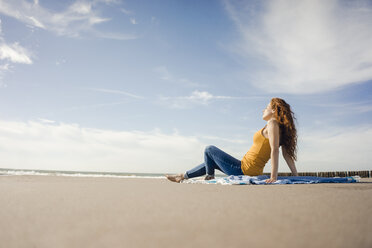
(335, 148)
(11, 54)
(96, 20)
(198, 98)
(125, 11)
(81, 7)
(60, 62)
(304, 46)
(3, 69)
(24, 11)
(204, 97)
(46, 121)
(130, 14)
(120, 92)
(133, 21)
(36, 23)
(58, 146)
(14, 53)
(44, 145)
(78, 19)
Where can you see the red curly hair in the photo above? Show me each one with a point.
(288, 132)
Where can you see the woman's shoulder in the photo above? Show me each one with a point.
(273, 127)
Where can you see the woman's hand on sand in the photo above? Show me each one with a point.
(271, 180)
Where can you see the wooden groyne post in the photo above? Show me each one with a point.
(364, 174)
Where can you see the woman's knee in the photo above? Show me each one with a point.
(210, 148)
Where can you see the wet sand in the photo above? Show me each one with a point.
(50, 211)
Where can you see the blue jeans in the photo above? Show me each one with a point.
(215, 158)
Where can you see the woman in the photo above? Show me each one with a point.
(279, 131)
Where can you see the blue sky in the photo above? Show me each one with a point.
(144, 86)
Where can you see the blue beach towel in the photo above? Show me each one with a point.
(244, 180)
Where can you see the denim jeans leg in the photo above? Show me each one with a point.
(196, 172)
(214, 158)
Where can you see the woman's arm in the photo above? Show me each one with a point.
(273, 132)
(290, 162)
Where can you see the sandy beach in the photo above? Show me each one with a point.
(51, 211)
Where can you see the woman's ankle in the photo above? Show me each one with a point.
(209, 177)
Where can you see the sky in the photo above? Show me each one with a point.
(145, 86)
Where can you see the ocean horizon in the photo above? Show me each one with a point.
(35, 172)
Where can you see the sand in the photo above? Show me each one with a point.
(51, 211)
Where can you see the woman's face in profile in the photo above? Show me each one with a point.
(267, 112)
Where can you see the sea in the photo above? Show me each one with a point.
(24, 172)
(27, 172)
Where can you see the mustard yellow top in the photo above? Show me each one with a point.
(255, 159)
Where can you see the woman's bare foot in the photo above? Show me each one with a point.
(175, 178)
(208, 177)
